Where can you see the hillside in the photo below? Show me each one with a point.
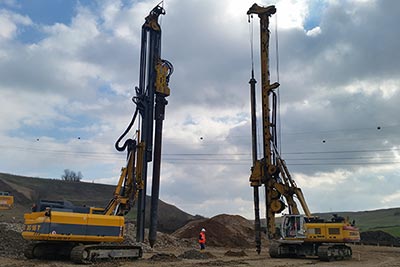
(27, 190)
(387, 220)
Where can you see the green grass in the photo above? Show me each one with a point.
(387, 220)
(393, 230)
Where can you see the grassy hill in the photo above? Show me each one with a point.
(387, 220)
(27, 190)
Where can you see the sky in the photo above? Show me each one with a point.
(68, 70)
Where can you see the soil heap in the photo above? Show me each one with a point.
(11, 242)
(221, 231)
(379, 237)
(196, 254)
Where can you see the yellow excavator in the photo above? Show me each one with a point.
(300, 234)
(6, 200)
(86, 234)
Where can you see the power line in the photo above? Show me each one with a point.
(231, 161)
(295, 164)
(57, 150)
(345, 129)
(360, 129)
(342, 151)
(287, 159)
(195, 154)
(207, 154)
(345, 163)
(340, 158)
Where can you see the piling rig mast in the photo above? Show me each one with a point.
(300, 235)
(87, 234)
(150, 100)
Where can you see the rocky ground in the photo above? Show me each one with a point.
(364, 256)
(171, 250)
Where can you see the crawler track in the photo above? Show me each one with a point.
(334, 252)
(324, 252)
(87, 254)
(83, 254)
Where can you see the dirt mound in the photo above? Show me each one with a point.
(163, 240)
(232, 253)
(11, 242)
(222, 231)
(379, 237)
(196, 254)
(164, 257)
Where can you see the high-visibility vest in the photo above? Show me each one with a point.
(202, 238)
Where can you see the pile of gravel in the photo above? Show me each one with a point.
(11, 242)
(379, 237)
(223, 230)
(196, 254)
(164, 257)
(231, 253)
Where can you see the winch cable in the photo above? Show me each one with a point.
(278, 91)
(251, 38)
(128, 141)
(251, 35)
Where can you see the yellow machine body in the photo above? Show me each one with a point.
(71, 226)
(60, 229)
(6, 201)
(296, 227)
(331, 232)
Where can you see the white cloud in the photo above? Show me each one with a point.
(291, 13)
(329, 181)
(395, 197)
(34, 111)
(314, 31)
(338, 85)
(9, 22)
(82, 29)
(386, 88)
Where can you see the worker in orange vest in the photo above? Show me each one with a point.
(202, 239)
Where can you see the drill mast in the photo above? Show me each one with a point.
(271, 170)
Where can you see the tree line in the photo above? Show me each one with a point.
(71, 176)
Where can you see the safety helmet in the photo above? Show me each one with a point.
(203, 230)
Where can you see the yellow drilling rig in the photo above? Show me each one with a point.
(87, 234)
(300, 234)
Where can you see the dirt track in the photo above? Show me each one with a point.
(366, 256)
(171, 250)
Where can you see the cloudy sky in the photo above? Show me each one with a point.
(68, 71)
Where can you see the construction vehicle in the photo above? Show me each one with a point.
(300, 235)
(87, 234)
(6, 200)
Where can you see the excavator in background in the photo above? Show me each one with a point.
(300, 234)
(6, 200)
(87, 234)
